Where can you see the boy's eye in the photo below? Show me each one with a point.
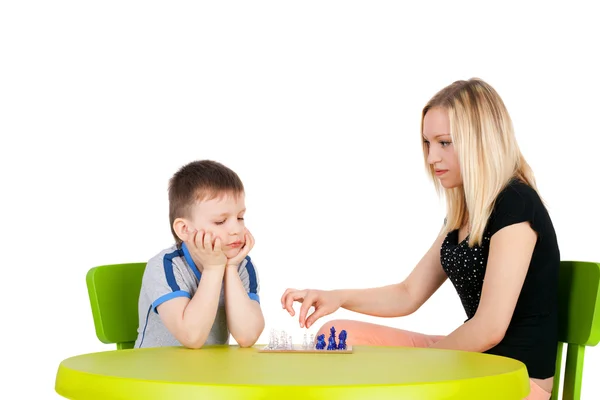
(241, 218)
(219, 222)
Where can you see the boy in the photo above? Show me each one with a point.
(204, 286)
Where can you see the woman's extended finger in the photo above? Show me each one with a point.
(318, 313)
(308, 302)
(298, 296)
(284, 295)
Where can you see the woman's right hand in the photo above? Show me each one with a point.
(325, 302)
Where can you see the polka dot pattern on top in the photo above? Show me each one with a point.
(465, 268)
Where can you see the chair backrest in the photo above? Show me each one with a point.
(114, 291)
(579, 316)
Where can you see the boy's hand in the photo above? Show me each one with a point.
(206, 251)
(248, 245)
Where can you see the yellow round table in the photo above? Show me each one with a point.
(231, 372)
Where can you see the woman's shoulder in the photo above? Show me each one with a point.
(518, 195)
(517, 202)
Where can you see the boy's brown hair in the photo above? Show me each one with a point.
(198, 181)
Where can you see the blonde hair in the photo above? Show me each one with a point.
(488, 154)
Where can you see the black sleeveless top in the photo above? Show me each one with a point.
(532, 335)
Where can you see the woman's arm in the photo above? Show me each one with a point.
(511, 249)
(387, 301)
(402, 298)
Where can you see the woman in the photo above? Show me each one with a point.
(497, 245)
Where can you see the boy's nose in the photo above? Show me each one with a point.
(236, 230)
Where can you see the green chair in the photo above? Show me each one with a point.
(114, 292)
(579, 316)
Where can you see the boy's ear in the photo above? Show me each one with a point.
(183, 229)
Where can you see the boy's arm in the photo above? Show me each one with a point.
(190, 321)
(244, 315)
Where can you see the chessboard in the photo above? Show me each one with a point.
(296, 348)
(282, 342)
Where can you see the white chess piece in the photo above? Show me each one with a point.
(283, 340)
(271, 340)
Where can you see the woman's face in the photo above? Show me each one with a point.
(441, 154)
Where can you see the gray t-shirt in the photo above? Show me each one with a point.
(172, 273)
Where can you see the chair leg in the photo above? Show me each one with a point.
(573, 372)
(125, 345)
(557, 371)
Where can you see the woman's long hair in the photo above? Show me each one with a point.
(488, 154)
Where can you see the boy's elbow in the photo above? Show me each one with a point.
(193, 344)
(250, 337)
(193, 341)
(247, 341)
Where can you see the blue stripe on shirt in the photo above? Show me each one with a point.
(253, 282)
(190, 261)
(145, 326)
(169, 296)
(168, 266)
(254, 297)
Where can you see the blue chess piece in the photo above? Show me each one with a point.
(332, 345)
(342, 337)
(320, 342)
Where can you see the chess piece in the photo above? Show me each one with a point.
(271, 340)
(320, 342)
(332, 345)
(283, 340)
(342, 343)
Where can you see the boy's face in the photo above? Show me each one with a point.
(223, 216)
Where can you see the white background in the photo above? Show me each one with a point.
(316, 105)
